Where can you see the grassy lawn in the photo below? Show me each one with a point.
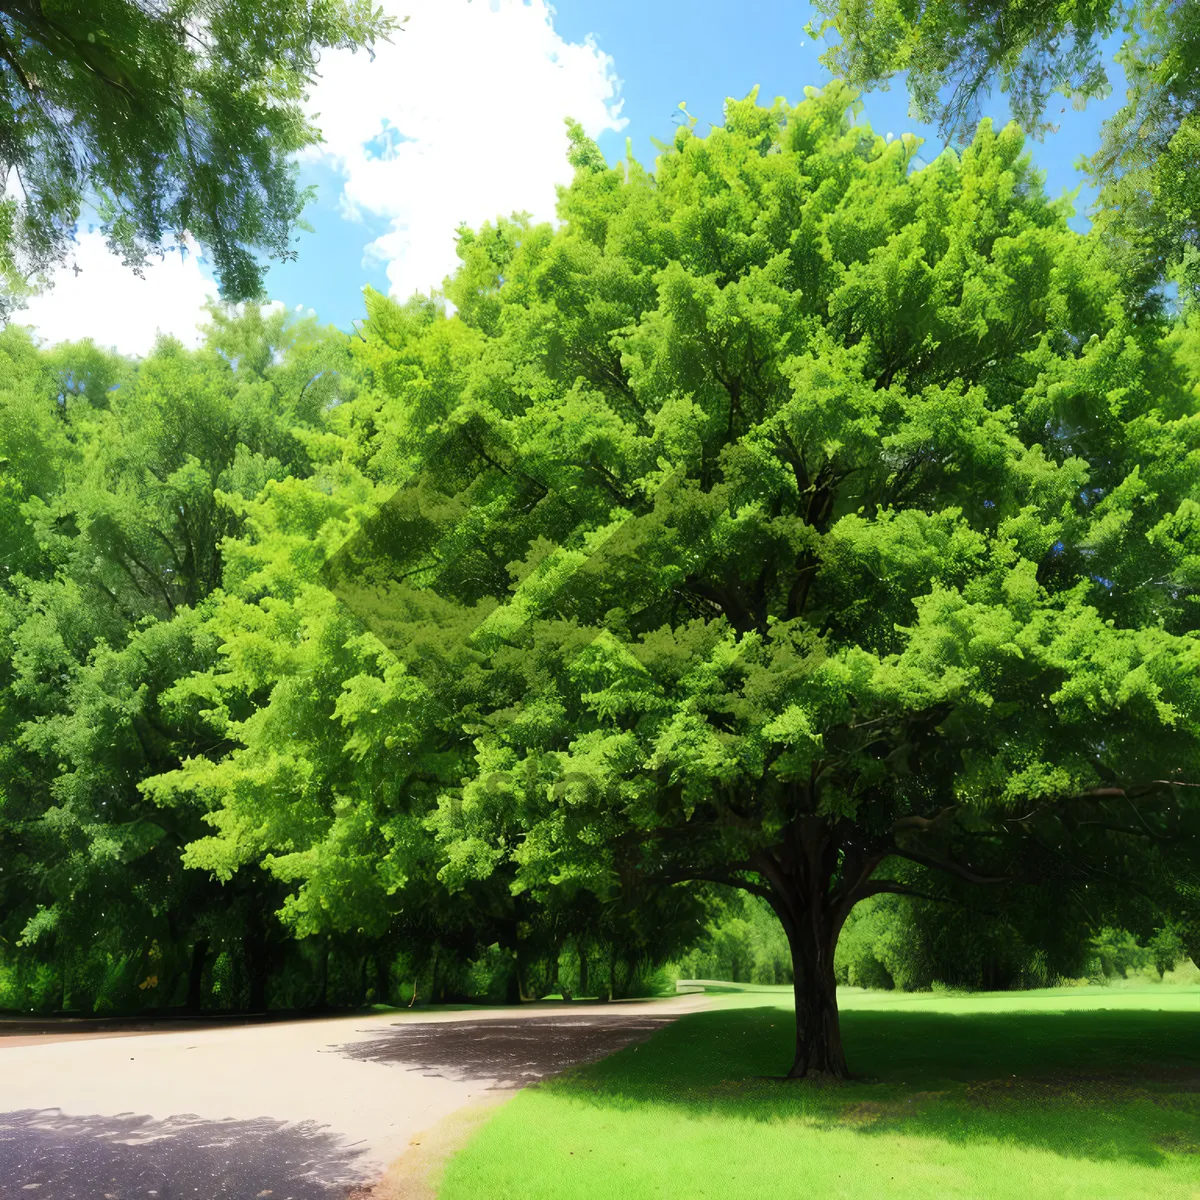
(1062, 1093)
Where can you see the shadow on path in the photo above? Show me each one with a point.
(511, 1052)
(47, 1155)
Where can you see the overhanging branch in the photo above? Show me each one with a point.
(950, 867)
(880, 887)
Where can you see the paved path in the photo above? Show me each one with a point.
(307, 1110)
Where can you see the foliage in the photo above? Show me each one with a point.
(787, 520)
(168, 118)
(161, 520)
(781, 519)
(877, 947)
(122, 488)
(952, 53)
(1118, 953)
(742, 942)
(889, 942)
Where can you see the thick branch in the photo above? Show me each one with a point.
(756, 889)
(879, 887)
(7, 56)
(951, 868)
(918, 822)
(1139, 789)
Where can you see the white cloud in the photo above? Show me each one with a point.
(107, 302)
(460, 118)
(477, 93)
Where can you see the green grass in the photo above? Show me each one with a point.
(1061, 1093)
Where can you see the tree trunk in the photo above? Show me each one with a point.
(818, 1030)
(583, 968)
(512, 985)
(259, 970)
(521, 951)
(196, 974)
(323, 976)
(383, 982)
(510, 942)
(523, 973)
(812, 911)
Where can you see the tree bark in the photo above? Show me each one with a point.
(196, 974)
(323, 976)
(383, 980)
(259, 969)
(512, 985)
(800, 874)
(818, 1028)
(523, 971)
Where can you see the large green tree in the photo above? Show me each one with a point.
(168, 118)
(1043, 55)
(791, 519)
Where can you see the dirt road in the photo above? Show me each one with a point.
(309, 1110)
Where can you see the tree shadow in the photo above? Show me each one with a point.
(1099, 1085)
(510, 1052)
(48, 1153)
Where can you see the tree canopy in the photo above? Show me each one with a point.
(786, 518)
(953, 53)
(148, 509)
(167, 118)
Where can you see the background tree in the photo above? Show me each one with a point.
(168, 119)
(795, 521)
(113, 553)
(955, 52)
(336, 751)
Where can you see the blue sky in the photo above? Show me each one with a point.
(461, 119)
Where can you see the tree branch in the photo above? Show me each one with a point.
(918, 822)
(951, 868)
(890, 887)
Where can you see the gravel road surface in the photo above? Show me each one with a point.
(304, 1110)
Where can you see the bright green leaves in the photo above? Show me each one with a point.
(584, 154)
(953, 53)
(788, 483)
(793, 729)
(1178, 533)
(167, 124)
(833, 461)
(124, 663)
(620, 685)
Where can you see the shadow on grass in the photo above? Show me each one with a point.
(1099, 1084)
